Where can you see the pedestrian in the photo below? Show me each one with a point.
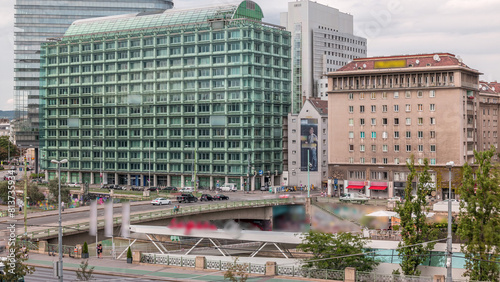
(178, 208)
(99, 251)
(62, 206)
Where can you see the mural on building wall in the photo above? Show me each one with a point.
(309, 144)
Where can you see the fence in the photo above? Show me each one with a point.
(167, 260)
(225, 265)
(375, 277)
(44, 233)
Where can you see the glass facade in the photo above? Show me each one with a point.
(183, 91)
(37, 20)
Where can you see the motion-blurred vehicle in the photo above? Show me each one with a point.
(161, 201)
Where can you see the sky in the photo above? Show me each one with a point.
(468, 28)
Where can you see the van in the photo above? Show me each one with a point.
(229, 187)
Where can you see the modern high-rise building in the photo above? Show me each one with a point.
(383, 110)
(35, 21)
(323, 40)
(183, 94)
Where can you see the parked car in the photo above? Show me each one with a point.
(137, 188)
(169, 189)
(161, 201)
(264, 188)
(187, 198)
(187, 190)
(220, 197)
(74, 184)
(152, 188)
(229, 187)
(117, 187)
(206, 197)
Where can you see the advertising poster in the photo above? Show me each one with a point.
(309, 144)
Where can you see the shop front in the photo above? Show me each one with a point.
(356, 187)
(379, 190)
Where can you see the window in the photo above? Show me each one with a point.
(374, 160)
(433, 161)
(396, 148)
(362, 134)
(432, 93)
(384, 108)
(420, 121)
(420, 94)
(407, 94)
(351, 122)
(432, 107)
(362, 160)
(396, 121)
(373, 96)
(374, 148)
(408, 148)
(408, 121)
(433, 148)
(396, 108)
(374, 108)
(420, 107)
(396, 160)
(361, 96)
(361, 109)
(374, 121)
(351, 109)
(396, 134)
(351, 134)
(350, 96)
(420, 148)
(362, 121)
(384, 95)
(396, 95)
(433, 120)
(408, 107)
(384, 148)
(361, 148)
(433, 134)
(384, 121)
(374, 134)
(351, 147)
(408, 134)
(420, 134)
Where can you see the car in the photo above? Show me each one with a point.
(220, 197)
(117, 187)
(186, 198)
(187, 190)
(264, 188)
(206, 197)
(152, 188)
(74, 184)
(161, 201)
(169, 189)
(137, 188)
(395, 199)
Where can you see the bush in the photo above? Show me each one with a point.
(129, 253)
(85, 248)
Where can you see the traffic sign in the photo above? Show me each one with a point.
(261, 172)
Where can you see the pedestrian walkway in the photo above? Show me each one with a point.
(145, 271)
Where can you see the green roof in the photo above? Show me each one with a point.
(246, 9)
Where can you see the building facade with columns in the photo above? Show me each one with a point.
(383, 110)
(182, 94)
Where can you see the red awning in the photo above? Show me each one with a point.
(377, 187)
(355, 187)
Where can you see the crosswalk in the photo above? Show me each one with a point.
(46, 275)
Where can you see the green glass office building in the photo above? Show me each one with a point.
(167, 96)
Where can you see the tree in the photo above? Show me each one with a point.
(479, 218)
(414, 229)
(237, 272)
(15, 268)
(4, 191)
(326, 247)
(54, 190)
(34, 194)
(4, 144)
(84, 273)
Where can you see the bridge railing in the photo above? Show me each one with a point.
(186, 210)
(167, 260)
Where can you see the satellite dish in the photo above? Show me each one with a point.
(417, 62)
(364, 66)
(459, 59)
(484, 87)
(493, 88)
(436, 58)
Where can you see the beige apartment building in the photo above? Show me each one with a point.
(489, 104)
(383, 110)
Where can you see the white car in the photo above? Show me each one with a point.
(160, 201)
(73, 184)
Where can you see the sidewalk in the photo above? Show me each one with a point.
(146, 271)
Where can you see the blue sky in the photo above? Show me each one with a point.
(469, 28)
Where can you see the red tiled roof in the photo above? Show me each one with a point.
(489, 87)
(424, 60)
(320, 105)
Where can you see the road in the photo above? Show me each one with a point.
(43, 274)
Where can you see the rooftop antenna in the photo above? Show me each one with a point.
(417, 62)
(436, 58)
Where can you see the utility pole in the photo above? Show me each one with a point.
(449, 250)
(25, 201)
(308, 178)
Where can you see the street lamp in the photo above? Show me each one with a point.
(60, 266)
(449, 165)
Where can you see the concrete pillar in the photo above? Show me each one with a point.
(271, 178)
(252, 188)
(80, 177)
(42, 247)
(271, 268)
(91, 177)
(128, 179)
(199, 263)
(439, 278)
(117, 180)
(212, 184)
(155, 180)
(182, 181)
(169, 180)
(136, 257)
(226, 180)
(350, 274)
(329, 187)
(242, 183)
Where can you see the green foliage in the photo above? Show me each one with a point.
(4, 191)
(17, 270)
(85, 248)
(479, 218)
(34, 194)
(129, 253)
(84, 273)
(4, 147)
(37, 175)
(325, 247)
(54, 191)
(414, 229)
(237, 272)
